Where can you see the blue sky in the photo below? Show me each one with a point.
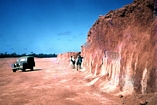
(49, 26)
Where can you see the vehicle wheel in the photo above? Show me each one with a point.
(24, 68)
(31, 68)
(14, 70)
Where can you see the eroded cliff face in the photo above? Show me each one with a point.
(66, 56)
(120, 55)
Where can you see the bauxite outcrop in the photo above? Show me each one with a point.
(66, 56)
(120, 54)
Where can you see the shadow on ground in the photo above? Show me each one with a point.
(28, 70)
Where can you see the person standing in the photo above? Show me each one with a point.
(72, 59)
(79, 62)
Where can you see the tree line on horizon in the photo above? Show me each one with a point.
(41, 55)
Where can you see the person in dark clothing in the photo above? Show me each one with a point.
(79, 62)
(72, 59)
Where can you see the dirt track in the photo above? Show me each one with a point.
(51, 83)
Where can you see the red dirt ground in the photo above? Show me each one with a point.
(53, 83)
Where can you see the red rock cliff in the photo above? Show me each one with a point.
(121, 49)
(66, 56)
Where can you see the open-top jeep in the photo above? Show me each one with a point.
(23, 63)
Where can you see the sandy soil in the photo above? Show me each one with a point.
(53, 83)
